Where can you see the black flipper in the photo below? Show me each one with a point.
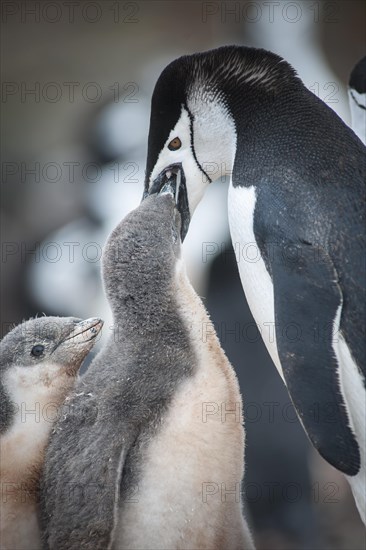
(306, 298)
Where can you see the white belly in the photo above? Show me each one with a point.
(256, 281)
(169, 508)
(354, 395)
(191, 455)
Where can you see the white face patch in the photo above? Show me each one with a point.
(194, 176)
(214, 135)
(214, 143)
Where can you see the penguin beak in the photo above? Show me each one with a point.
(76, 344)
(172, 180)
(85, 331)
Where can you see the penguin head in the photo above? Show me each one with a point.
(140, 256)
(191, 131)
(41, 357)
(63, 341)
(195, 107)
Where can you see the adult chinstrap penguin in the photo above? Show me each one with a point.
(297, 222)
(39, 363)
(145, 433)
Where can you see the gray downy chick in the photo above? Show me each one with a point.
(153, 442)
(39, 363)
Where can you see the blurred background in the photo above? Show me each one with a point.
(77, 79)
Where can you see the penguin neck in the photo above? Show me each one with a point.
(143, 313)
(234, 92)
(263, 120)
(247, 125)
(141, 297)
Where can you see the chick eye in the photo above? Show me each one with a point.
(175, 144)
(37, 350)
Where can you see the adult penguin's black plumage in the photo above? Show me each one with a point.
(297, 221)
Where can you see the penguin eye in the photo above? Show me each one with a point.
(37, 350)
(175, 144)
